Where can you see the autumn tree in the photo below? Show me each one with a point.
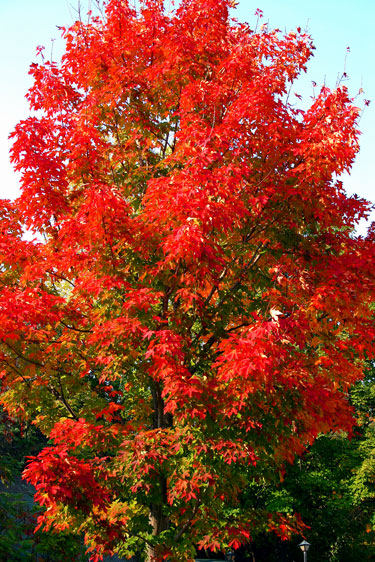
(194, 306)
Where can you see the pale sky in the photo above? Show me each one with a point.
(333, 24)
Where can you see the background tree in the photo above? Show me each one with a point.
(18, 512)
(199, 307)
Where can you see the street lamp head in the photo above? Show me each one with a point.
(229, 555)
(304, 546)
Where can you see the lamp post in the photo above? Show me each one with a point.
(304, 546)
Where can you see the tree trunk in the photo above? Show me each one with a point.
(160, 418)
(150, 554)
(158, 520)
(159, 523)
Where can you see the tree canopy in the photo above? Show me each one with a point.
(195, 305)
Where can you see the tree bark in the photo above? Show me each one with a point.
(159, 523)
(158, 520)
(160, 418)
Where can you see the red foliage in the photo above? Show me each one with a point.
(195, 305)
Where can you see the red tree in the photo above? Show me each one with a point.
(199, 305)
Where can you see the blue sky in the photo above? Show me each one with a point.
(333, 24)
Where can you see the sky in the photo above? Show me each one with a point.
(333, 24)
